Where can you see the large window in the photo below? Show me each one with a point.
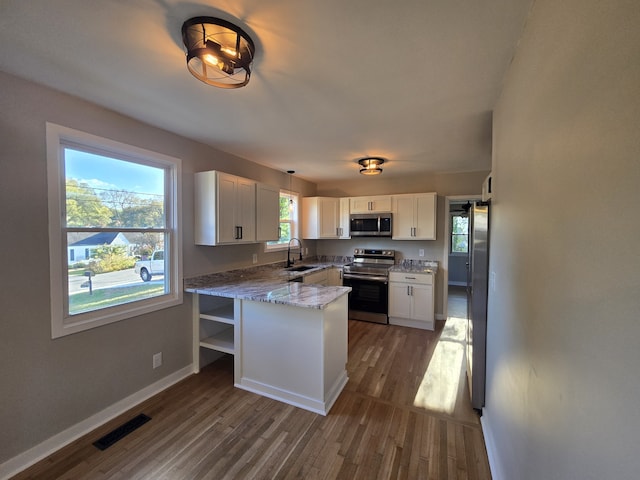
(114, 233)
(288, 221)
(460, 233)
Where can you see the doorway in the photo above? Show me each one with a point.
(455, 256)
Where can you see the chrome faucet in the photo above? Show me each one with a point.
(290, 262)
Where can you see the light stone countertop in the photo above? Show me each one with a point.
(268, 283)
(421, 266)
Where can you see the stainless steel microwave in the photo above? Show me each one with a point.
(370, 224)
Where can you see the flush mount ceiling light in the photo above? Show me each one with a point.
(371, 165)
(218, 52)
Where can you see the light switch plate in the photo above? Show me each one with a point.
(157, 360)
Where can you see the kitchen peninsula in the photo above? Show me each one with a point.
(288, 338)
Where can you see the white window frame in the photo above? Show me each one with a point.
(295, 222)
(59, 137)
(451, 235)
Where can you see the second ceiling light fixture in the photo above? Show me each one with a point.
(371, 165)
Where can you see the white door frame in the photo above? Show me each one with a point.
(447, 238)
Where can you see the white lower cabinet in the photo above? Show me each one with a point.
(296, 355)
(214, 329)
(316, 278)
(411, 300)
(334, 277)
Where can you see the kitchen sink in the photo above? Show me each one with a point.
(301, 268)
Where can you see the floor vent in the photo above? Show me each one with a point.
(121, 432)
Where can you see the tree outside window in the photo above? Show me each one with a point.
(459, 233)
(288, 221)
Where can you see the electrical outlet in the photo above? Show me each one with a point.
(421, 252)
(306, 251)
(157, 360)
(255, 258)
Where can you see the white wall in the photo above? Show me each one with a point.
(564, 330)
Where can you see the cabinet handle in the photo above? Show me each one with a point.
(241, 233)
(409, 278)
(408, 290)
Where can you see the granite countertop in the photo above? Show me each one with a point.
(268, 283)
(421, 266)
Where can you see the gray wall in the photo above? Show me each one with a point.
(444, 184)
(458, 269)
(563, 333)
(49, 385)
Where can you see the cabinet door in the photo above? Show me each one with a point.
(425, 216)
(226, 191)
(267, 213)
(334, 277)
(359, 204)
(246, 210)
(316, 278)
(403, 217)
(414, 216)
(422, 303)
(344, 225)
(328, 215)
(380, 203)
(399, 300)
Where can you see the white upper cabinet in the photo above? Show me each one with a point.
(414, 216)
(225, 209)
(267, 213)
(320, 217)
(344, 223)
(376, 204)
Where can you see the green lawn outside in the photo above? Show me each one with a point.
(108, 297)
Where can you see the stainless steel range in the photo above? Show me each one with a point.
(368, 277)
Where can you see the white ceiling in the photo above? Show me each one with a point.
(414, 81)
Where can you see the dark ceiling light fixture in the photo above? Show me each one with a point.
(218, 52)
(371, 165)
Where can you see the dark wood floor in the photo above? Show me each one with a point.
(404, 414)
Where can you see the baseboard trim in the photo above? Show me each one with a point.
(492, 452)
(25, 459)
(315, 405)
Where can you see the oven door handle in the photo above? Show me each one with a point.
(373, 278)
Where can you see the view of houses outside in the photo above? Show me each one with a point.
(115, 214)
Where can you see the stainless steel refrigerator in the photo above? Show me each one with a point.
(477, 291)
